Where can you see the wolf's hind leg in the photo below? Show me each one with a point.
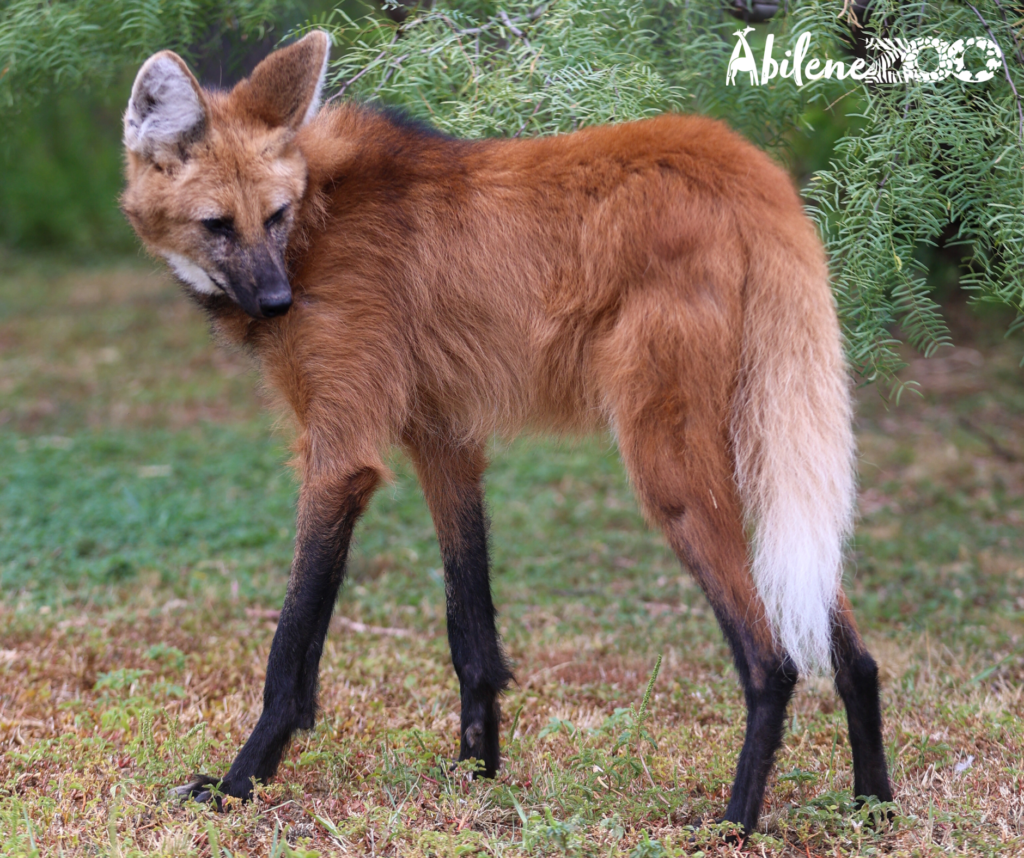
(686, 487)
(857, 683)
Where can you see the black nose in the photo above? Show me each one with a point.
(275, 305)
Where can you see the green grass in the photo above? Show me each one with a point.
(145, 535)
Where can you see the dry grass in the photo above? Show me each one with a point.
(112, 693)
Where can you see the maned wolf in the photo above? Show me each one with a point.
(656, 279)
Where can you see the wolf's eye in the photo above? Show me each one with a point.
(276, 217)
(219, 226)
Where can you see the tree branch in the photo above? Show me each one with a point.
(1006, 69)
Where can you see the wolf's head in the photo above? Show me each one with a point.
(214, 178)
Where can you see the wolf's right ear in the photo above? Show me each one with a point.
(166, 111)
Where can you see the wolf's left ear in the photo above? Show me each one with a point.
(284, 89)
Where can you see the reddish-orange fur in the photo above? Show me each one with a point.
(566, 283)
(557, 284)
(631, 278)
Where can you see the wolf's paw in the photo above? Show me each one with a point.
(203, 788)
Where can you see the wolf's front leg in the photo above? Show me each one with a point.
(328, 511)
(451, 479)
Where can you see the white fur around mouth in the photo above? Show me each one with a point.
(218, 281)
(191, 274)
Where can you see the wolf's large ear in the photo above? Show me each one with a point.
(284, 89)
(166, 112)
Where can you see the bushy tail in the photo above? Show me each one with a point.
(794, 449)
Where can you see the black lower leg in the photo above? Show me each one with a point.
(451, 480)
(857, 683)
(768, 678)
(768, 690)
(472, 634)
(289, 694)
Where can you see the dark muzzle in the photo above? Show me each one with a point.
(261, 285)
(276, 303)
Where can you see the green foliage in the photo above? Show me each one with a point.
(61, 171)
(886, 200)
(933, 161)
(75, 43)
(889, 193)
(509, 69)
